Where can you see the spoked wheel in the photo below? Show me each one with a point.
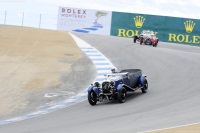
(145, 86)
(122, 95)
(92, 98)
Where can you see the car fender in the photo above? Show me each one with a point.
(120, 87)
(141, 80)
(90, 88)
(95, 89)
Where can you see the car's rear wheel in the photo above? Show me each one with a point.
(122, 95)
(92, 98)
(145, 86)
(135, 38)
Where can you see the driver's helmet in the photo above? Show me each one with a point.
(114, 70)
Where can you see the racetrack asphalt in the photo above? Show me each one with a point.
(172, 100)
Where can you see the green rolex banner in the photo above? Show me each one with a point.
(167, 29)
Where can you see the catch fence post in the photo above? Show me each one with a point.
(40, 20)
(23, 19)
(5, 17)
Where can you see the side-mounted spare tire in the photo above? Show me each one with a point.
(92, 98)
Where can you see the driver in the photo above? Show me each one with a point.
(114, 70)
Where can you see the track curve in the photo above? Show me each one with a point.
(172, 100)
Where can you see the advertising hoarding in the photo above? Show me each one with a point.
(84, 20)
(167, 29)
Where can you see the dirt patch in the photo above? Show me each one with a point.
(185, 129)
(30, 60)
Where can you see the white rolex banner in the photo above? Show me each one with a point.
(84, 20)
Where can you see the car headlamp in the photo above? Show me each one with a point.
(112, 83)
(97, 84)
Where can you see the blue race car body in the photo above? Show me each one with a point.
(117, 85)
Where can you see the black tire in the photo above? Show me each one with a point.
(114, 95)
(92, 98)
(122, 95)
(157, 43)
(134, 39)
(145, 86)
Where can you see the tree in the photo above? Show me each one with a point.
(99, 14)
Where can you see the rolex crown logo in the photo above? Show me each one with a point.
(139, 20)
(189, 25)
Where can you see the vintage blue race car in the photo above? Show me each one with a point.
(117, 85)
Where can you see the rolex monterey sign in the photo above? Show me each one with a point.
(84, 20)
(167, 29)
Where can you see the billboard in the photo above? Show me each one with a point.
(84, 20)
(168, 29)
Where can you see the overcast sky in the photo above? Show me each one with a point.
(176, 8)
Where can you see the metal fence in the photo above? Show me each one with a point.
(44, 21)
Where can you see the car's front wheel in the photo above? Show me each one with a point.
(156, 43)
(122, 95)
(92, 98)
(134, 39)
(145, 86)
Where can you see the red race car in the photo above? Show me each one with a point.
(146, 37)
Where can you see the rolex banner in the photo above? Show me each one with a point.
(84, 20)
(167, 29)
